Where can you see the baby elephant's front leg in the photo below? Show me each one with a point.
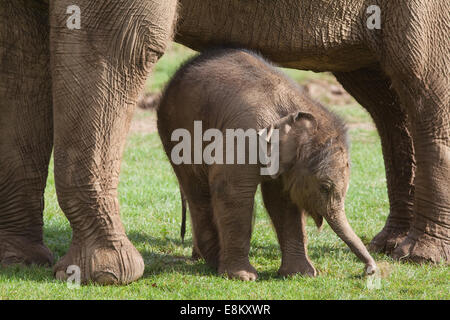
(290, 225)
(233, 210)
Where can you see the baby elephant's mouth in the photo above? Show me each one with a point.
(318, 219)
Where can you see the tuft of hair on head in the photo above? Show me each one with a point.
(321, 154)
(321, 159)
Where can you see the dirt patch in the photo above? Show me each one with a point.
(363, 125)
(144, 122)
(328, 92)
(149, 101)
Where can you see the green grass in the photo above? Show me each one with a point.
(151, 212)
(167, 66)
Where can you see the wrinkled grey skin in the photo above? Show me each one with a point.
(74, 92)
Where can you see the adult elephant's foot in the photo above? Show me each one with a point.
(388, 239)
(20, 250)
(104, 262)
(423, 247)
(428, 239)
(397, 225)
(302, 266)
(241, 271)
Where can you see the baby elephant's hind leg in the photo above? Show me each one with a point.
(205, 235)
(289, 224)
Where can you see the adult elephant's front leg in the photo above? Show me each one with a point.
(428, 239)
(98, 72)
(372, 88)
(25, 130)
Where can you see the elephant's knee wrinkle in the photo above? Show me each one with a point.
(143, 41)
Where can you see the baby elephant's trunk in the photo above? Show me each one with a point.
(339, 223)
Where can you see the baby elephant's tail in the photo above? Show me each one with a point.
(183, 214)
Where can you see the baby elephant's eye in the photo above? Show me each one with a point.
(325, 189)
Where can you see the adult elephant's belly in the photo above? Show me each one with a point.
(296, 34)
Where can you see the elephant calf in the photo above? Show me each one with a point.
(302, 146)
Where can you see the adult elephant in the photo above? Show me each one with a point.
(398, 70)
(75, 90)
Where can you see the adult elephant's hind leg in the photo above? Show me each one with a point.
(428, 239)
(372, 89)
(25, 130)
(98, 72)
(428, 100)
(416, 57)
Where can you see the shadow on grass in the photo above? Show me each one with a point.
(31, 273)
(158, 263)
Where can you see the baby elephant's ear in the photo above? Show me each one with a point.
(295, 137)
(306, 120)
(285, 144)
(284, 125)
